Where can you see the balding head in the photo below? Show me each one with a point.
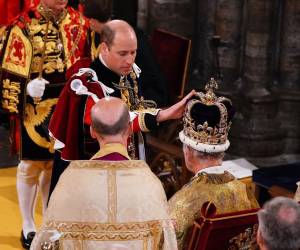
(115, 28)
(110, 117)
(118, 46)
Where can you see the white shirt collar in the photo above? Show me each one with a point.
(102, 60)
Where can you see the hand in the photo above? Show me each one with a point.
(36, 87)
(176, 110)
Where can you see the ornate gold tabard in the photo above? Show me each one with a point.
(17, 56)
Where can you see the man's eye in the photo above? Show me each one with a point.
(123, 54)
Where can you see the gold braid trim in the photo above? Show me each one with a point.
(112, 195)
(142, 124)
(106, 165)
(107, 231)
(94, 50)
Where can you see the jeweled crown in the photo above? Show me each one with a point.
(207, 120)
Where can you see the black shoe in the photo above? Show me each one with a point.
(26, 242)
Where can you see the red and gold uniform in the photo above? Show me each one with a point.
(39, 46)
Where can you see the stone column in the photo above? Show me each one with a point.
(172, 15)
(288, 87)
(142, 14)
(204, 30)
(229, 26)
(256, 133)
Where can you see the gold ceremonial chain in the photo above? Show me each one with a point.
(130, 95)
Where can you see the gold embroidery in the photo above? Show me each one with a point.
(106, 165)
(112, 195)
(10, 95)
(32, 119)
(107, 231)
(17, 56)
(94, 50)
(50, 245)
(228, 196)
(214, 178)
(245, 240)
(47, 53)
(70, 50)
(142, 123)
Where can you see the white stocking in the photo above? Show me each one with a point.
(45, 179)
(27, 194)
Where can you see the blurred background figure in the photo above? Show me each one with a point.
(279, 225)
(12, 8)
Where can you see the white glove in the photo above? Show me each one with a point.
(36, 87)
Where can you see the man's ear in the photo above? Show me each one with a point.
(93, 133)
(104, 49)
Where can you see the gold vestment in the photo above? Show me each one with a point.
(105, 204)
(227, 194)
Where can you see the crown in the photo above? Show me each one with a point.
(207, 121)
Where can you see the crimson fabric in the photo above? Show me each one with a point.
(12, 8)
(67, 112)
(82, 63)
(172, 52)
(9, 10)
(208, 234)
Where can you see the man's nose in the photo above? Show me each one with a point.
(130, 59)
